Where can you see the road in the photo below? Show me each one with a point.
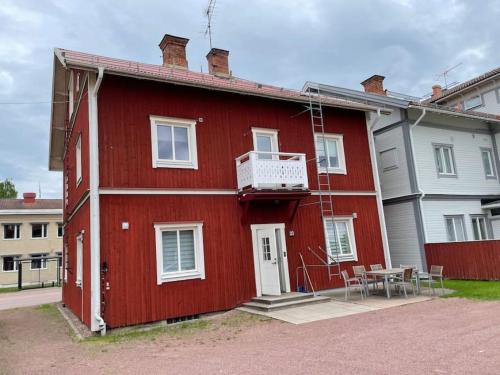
(31, 297)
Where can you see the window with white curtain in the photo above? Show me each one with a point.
(179, 252)
(330, 153)
(455, 228)
(339, 233)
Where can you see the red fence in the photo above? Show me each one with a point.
(472, 260)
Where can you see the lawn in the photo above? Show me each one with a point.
(472, 289)
(9, 290)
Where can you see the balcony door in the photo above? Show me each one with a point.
(265, 140)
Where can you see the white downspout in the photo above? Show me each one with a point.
(417, 179)
(97, 323)
(378, 191)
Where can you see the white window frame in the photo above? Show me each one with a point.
(352, 239)
(441, 148)
(43, 261)
(199, 271)
(45, 231)
(454, 218)
(477, 218)
(71, 96)
(192, 163)
(272, 133)
(17, 232)
(489, 151)
(16, 264)
(339, 138)
(78, 160)
(79, 260)
(472, 106)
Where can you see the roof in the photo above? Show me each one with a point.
(39, 204)
(64, 59)
(467, 84)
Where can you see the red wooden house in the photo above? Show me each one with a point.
(188, 193)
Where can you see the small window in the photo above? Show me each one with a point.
(330, 153)
(266, 248)
(174, 143)
(489, 166)
(60, 230)
(389, 159)
(265, 140)
(455, 228)
(480, 228)
(40, 261)
(71, 96)
(11, 231)
(79, 260)
(445, 161)
(179, 252)
(38, 230)
(473, 102)
(78, 149)
(77, 82)
(340, 239)
(10, 263)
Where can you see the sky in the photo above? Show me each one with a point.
(279, 42)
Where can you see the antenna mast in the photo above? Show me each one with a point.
(445, 74)
(209, 13)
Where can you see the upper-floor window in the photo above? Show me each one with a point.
(339, 233)
(480, 227)
(473, 102)
(455, 228)
(78, 149)
(38, 230)
(39, 262)
(71, 96)
(330, 153)
(265, 140)
(389, 159)
(11, 231)
(60, 230)
(173, 143)
(489, 166)
(445, 160)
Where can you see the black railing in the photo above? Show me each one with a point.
(39, 272)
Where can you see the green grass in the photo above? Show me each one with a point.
(9, 290)
(471, 289)
(48, 308)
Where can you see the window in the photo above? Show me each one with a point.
(174, 143)
(455, 228)
(71, 98)
(480, 228)
(66, 263)
(11, 231)
(79, 260)
(265, 140)
(10, 263)
(389, 159)
(179, 252)
(340, 240)
(330, 153)
(77, 82)
(60, 230)
(78, 160)
(266, 248)
(445, 161)
(473, 102)
(38, 230)
(39, 263)
(489, 166)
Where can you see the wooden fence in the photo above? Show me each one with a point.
(472, 260)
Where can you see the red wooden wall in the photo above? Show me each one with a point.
(472, 260)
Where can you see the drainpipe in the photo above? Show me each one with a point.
(378, 191)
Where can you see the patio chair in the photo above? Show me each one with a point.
(376, 267)
(415, 273)
(402, 283)
(352, 283)
(360, 272)
(434, 276)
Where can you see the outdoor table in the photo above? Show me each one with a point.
(386, 274)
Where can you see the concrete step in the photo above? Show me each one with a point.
(286, 297)
(267, 307)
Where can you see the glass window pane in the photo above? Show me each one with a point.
(475, 229)
(264, 143)
(333, 159)
(9, 231)
(320, 150)
(164, 135)
(487, 163)
(450, 229)
(186, 238)
(482, 228)
(448, 168)
(459, 229)
(439, 162)
(343, 234)
(181, 143)
(332, 237)
(170, 254)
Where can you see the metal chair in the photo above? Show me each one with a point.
(434, 276)
(352, 283)
(376, 267)
(402, 282)
(360, 272)
(416, 274)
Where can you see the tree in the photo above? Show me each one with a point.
(7, 189)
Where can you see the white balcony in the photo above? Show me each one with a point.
(271, 170)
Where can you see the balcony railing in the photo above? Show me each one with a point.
(271, 170)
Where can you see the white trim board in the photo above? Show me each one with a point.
(48, 211)
(156, 191)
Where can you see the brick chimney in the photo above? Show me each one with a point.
(29, 198)
(218, 62)
(374, 85)
(174, 51)
(437, 91)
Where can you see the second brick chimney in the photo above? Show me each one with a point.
(437, 91)
(174, 51)
(374, 85)
(218, 62)
(29, 198)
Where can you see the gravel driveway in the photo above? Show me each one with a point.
(442, 336)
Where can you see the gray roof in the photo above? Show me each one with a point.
(40, 204)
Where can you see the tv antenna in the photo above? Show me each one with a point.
(445, 74)
(209, 12)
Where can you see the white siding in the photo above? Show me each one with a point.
(470, 172)
(489, 96)
(394, 182)
(403, 235)
(386, 120)
(495, 225)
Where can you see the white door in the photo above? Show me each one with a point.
(268, 259)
